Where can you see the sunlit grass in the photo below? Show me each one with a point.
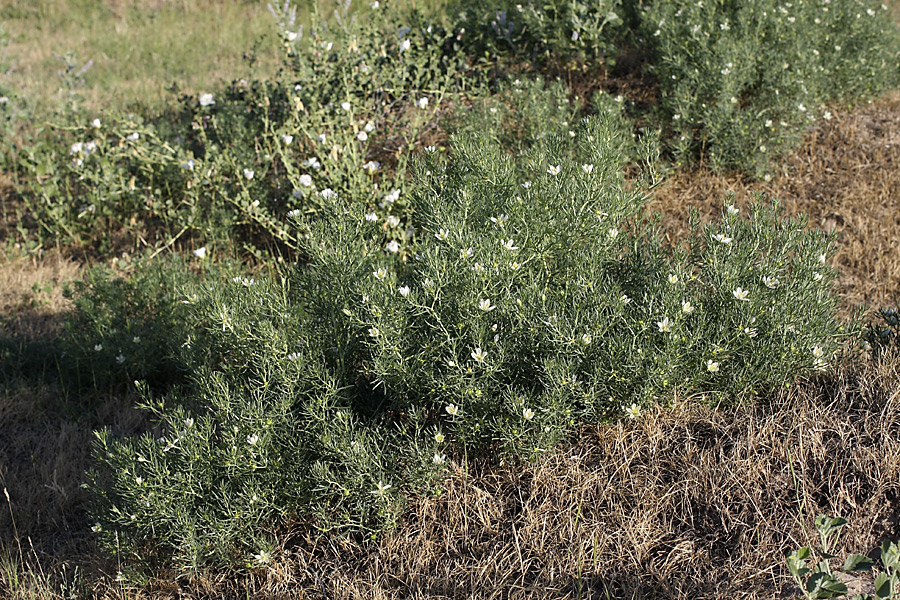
(139, 49)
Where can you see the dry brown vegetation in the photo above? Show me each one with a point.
(689, 502)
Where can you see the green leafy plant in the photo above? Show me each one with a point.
(741, 82)
(533, 297)
(812, 571)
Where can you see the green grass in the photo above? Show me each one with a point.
(139, 49)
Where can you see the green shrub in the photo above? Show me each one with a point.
(128, 323)
(542, 32)
(742, 81)
(532, 299)
(883, 335)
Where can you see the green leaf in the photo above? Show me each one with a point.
(883, 585)
(824, 585)
(829, 525)
(857, 562)
(890, 554)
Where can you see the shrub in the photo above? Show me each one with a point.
(533, 298)
(128, 323)
(543, 32)
(742, 81)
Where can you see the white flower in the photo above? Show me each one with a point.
(371, 217)
(392, 197)
(741, 294)
(392, 246)
(252, 439)
(370, 127)
(375, 5)
(430, 149)
(586, 339)
(392, 220)
(817, 276)
(120, 576)
(305, 180)
(321, 138)
(526, 185)
(263, 558)
(508, 244)
(452, 410)
(96, 528)
(818, 352)
(479, 355)
(665, 326)
(98, 347)
(624, 299)
(362, 136)
(120, 359)
(374, 332)
(467, 253)
(372, 166)
(345, 105)
(633, 411)
(722, 238)
(328, 194)
(587, 168)
(613, 233)
(770, 282)
(136, 339)
(822, 259)
(732, 210)
(514, 265)
(422, 102)
(291, 36)
(500, 220)
(380, 274)
(554, 169)
(189, 165)
(528, 414)
(293, 214)
(381, 489)
(206, 100)
(287, 139)
(404, 291)
(486, 305)
(820, 364)
(249, 173)
(96, 124)
(139, 480)
(76, 148)
(751, 331)
(439, 437)
(673, 278)
(442, 234)
(200, 252)
(712, 366)
(294, 356)
(133, 137)
(439, 458)
(686, 307)
(404, 45)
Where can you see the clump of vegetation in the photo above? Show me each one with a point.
(331, 394)
(741, 82)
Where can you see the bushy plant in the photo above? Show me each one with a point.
(555, 30)
(533, 298)
(742, 81)
(129, 323)
(342, 119)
